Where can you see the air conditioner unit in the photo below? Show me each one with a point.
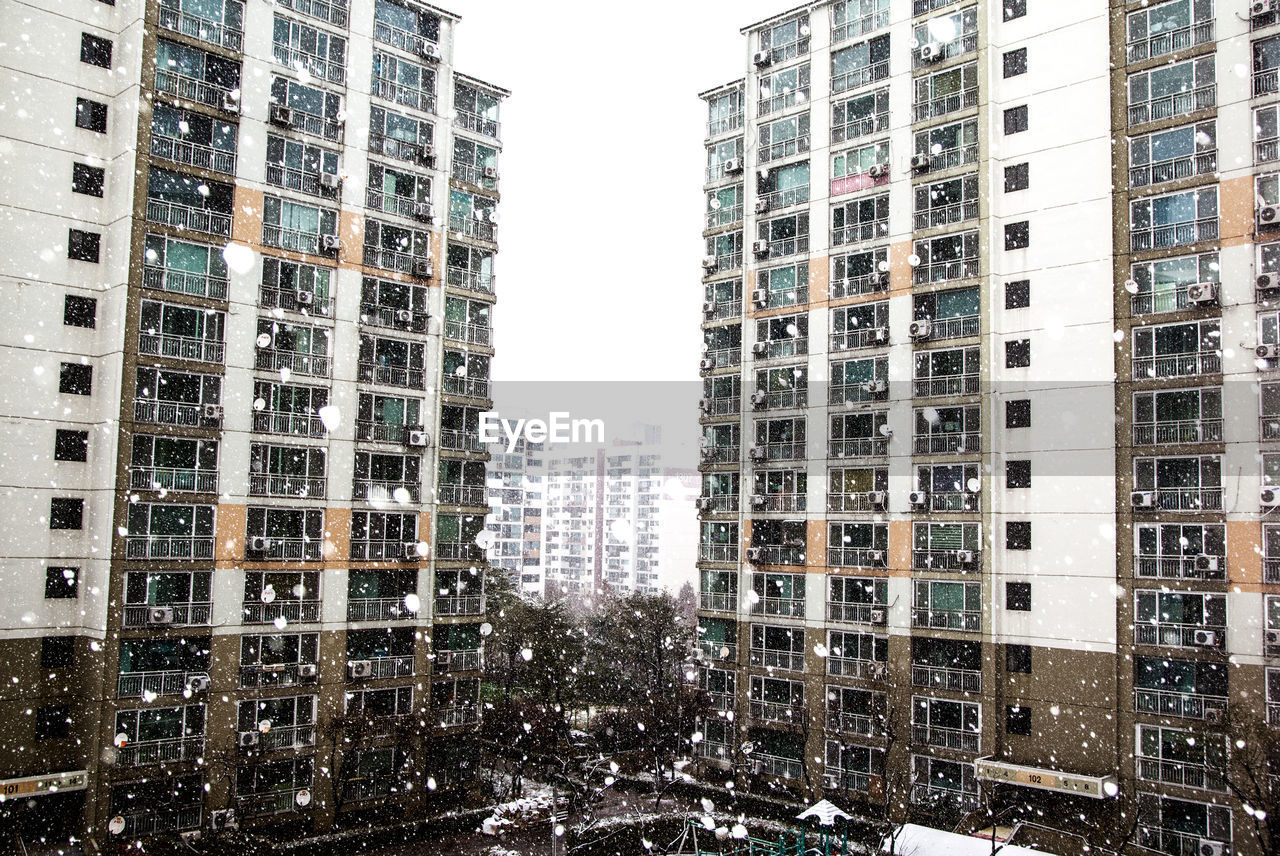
(304, 298)
(1206, 847)
(754, 554)
(879, 616)
(278, 114)
(223, 819)
(760, 249)
(875, 557)
(733, 165)
(211, 411)
(330, 243)
(160, 615)
(198, 683)
(422, 268)
(248, 739)
(878, 497)
(709, 263)
(1203, 293)
(1205, 638)
(932, 52)
(1269, 497)
(330, 180)
(920, 163)
(708, 307)
(429, 50)
(759, 399)
(706, 452)
(491, 173)
(1142, 499)
(404, 316)
(1268, 215)
(704, 404)
(918, 499)
(703, 503)
(756, 453)
(758, 500)
(1267, 352)
(762, 59)
(360, 668)
(760, 298)
(880, 335)
(879, 279)
(762, 206)
(878, 170)
(427, 155)
(1214, 716)
(964, 557)
(417, 437)
(231, 105)
(1206, 564)
(259, 544)
(308, 670)
(875, 387)
(1262, 7)
(707, 364)
(919, 330)
(409, 549)
(424, 212)
(760, 349)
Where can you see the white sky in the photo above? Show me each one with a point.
(598, 277)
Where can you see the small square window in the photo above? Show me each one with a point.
(1017, 236)
(57, 652)
(95, 50)
(66, 513)
(1017, 474)
(1017, 720)
(69, 445)
(61, 582)
(75, 379)
(87, 179)
(1014, 9)
(80, 311)
(1015, 119)
(1017, 658)
(1017, 353)
(53, 722)
(91, 115)
(1017, 596)
(1017, 535)
(83, 246)
(1017, 413)
(1017, 294)
(1015, 62)
(1017, 177)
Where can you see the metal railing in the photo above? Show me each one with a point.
(471, 605)
(287, 299)
(948, 738)
(402, 376)
(168, 547)
(773, 103)
(779, 199)
(783, 149)
(272, 484)
(867, 670)
(1266, 149)
(457, 661)
(852, 723)
(725, 651)
(317, 126)
(1174, 235)
(135, 684)
(721, 454)
(1179, 567)
(268, 803)
(1178, 365)
(276, 675)
(316, 66)
(409, 96)
(193, 89)
(724, 216)
(462, 494)
(721, 502)
(377, 609)
(396, 148)
(181, 347)
(939, 677)
(460, 441)
(856, 613)
(947, 619)
(864, 501)
(948, 443)
(1177, 104)
(1169, 41)
(384, 490)
(769, 711)
(858, 233)
(169, 413)
(290, 239)
(295, 549)
(189, 217)
(292, 424)
(789, 607)
(1176, 635)
(777, 765)
(473, 334)
(192, 154)
(958, 327)
(469, 279)
(475, 175)
(392, 259)
(732, 122)
(1187, 499)
(718, 601)
(928, 795)
(867, 337)
(472, 227)
(449, 717)
(1150, 303)
(1202, 163)
(160, 751)
(779, 452)
(180, 479)
(959, 500)
(146, 822)
(331, 11)
(279, 175)
(861, 25)
(945, 215)
(773, 658)
(472, 387)
(1159, 840)
(859, 447)
(184, 614)
(384, 551)
(952, 158)
(1183, 773)
(945, 560)
(944, 271)
(856, 128)
(864, 76)
(391, 317)
(183, 282)
(1185, 705)
(856, 557)
(292, 611)
(1266, 82)
(717, 552)
(944, 104)
(1181, 431)
(962, 384)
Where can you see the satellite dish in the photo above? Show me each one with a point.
(303, 798)
(116, 825)
(748, 747)
(120, 740)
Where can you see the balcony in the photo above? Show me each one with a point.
(461, 441)
(381, 668)
(961, 800)
(419, 153)
(292, 611)
(852, 723)
(1266, 82)
(471, 387)
(281, 549)
(168, 547)
(787, 607)
(857, 613)
(944, 271)
(772, 658)
(330, 11)
(727, 553)
(948, 738)
(386, 551)
(1184, 499)
(450, 606)
(1174, 235)
(1185, 705)
(473, 280)
(472, 334)
(382, 491)
(1202, 163)
(723, 357)
(962, 384)
(170, 17)
(867, 670)
(1177, 365)
(393, 259)
(192, 154)
(944, 104)
(378, 609)
(457, 661)
(473, 227)
(718, 601)
(303, 487)
(949, 443)
(462, 494)
(194, 89)
(177, 479)
(946, 560)
(777, 554)
(291, 424)
(859, 77)
(947, 619)
(296, 179)
(189, 217)
(136, 684)
(409, 96)
(277, 675)
(856, 557)
(286, 737)
(710, 649)
(160, 751)
(451, 717)
(148, 822)
(721, 454)
(183, 282)
(939, 678)
(724, 125)
(318, 67)
(180, 347)
(1177, 635)
(777, 765)
(1183, 773)
(172, 413)
(779, 503)
(291, 239)
(478, 176)
(1152, 303)
(721, 701)
(955, 501)
(719, 504)
(869, 337)
(767, 711)
(401, 376)
(775, 200)
(1178, 104)
(288, 300)
(723, 263)
(1170, 41)
(1182, 431)
(183, 614)
(268, 803)
(946, 215)
(1197, 567)
(859, 447)
(778, 451)
(317, 126)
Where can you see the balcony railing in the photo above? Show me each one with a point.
(332, 11)
(948, 443)
(170, 413)
(457, 661)
(941, 678)
(304, 487)
(1177, 104)
(779, 502)
(718, 601)
(724, 262)
(409, 96)
(1174, 235)
(318, 126)
(724, 125)
(949, 738)
(471, 605)
(961, 500)
(717, 552)
(290, 239)
(180, 347)
(856, 613)
(291, 549)
(868, 337)
(450, 717)
(135, 684)
(946, 560)
(852, 723)
(945, 271)
(472, 334)
(395, 666)
(193, 89)
(1204, 567)
(475, 175)
(192, 154)
(462, 494)
(384, 551)
(1182, 431)
(790, 607)
(1178, 365)
(168, 547)
(1266, 82)
(721, 503)
(945, 215)
(287, 299)
(473, 227)
(778, 199)
(867, 670)
(1183, 773)
(773, 658)
(318, 67)
(292, 611)
(376, 788)
(392, 259)
(460, 441)
(178, 479)
(777, 765)
(287, 737)
(277, 675)
(1186, 499)
(963, 384)
(856, 557)
(1169, 42)
(1202, 163)
(189, 217)
(961, 800)
(719, 651)
(947, 619)
(721, 454)
(471, 387)
(383, 490)
(858, 233)
(469, 279)
(1185, 705)
(952, 158)
(279, 175)
(866, 501)
(944, 104)
(859, 447)
(182, 282)
(147, 822)
(268, 803)
(204, 29)
(160, 751)
(857, 128)
(292, 424)
(768, 711)
(184, 614)
(1177, 635)
(377, 609)
(393, 147)
(1151, 303)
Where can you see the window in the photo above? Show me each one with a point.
(1015, 119)
(1017, 177)
(1172, 89)
(57, 652)
(782, 89)
(1017, 596)
(1174, 153)
(61, 583)
(66, 513)
(1018, 535)
(951, 145)
(83, 246)
(1017, 720)
(95, 50)
(1014, 9)
(53, 722)
(79, 311)
(75, 379)
(1017, 658)
(71, 445)
(87, 179)
(1017, 413)
(1017, 354)
(860, 64)
(1017, 236)
(1017, 294)
(859, 116)
(1015, 62)
(91, 115)
(1017, 474)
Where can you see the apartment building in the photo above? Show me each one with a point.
(974, 528)
(516, 483)
(248, 272)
